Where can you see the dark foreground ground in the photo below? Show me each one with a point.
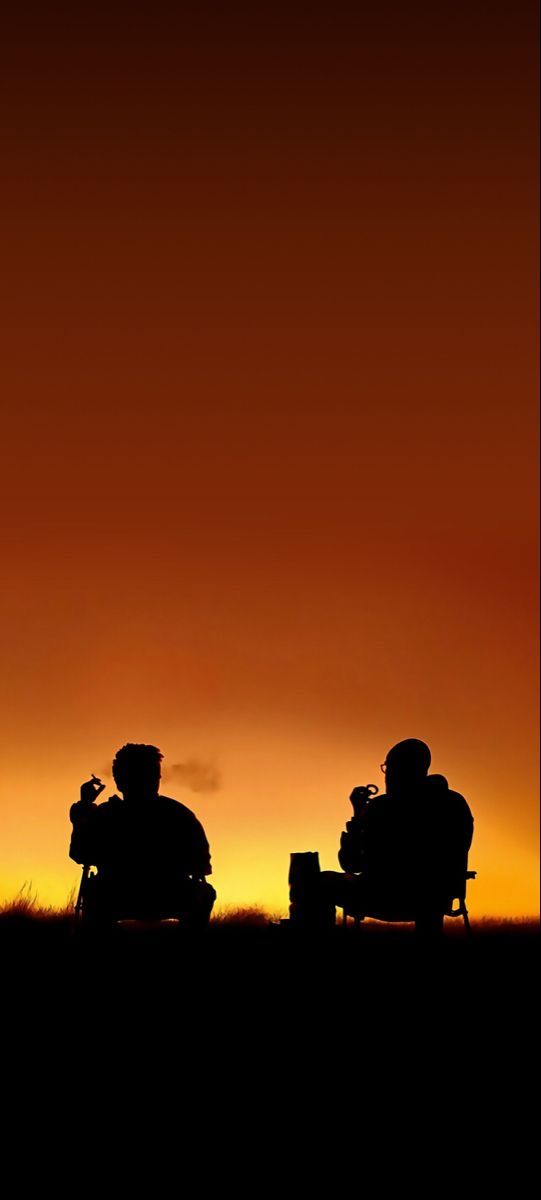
(271, 971)
(292, 1046)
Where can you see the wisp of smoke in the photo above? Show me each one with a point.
(194, 774)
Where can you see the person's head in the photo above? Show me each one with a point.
(137, 770)
(406, 765)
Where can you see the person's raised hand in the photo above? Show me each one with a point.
(360, 796)
(91, 790)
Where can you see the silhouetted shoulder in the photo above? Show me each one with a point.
(458, 800)
(181, 818)
(176, 810)
(81, 812)
(439, 792)
(184, 828)
(112, 805)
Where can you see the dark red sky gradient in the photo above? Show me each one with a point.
(269, 423)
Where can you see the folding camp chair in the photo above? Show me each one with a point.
(454, 906)
(92, 914)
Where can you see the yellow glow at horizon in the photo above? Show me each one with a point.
(281, 793)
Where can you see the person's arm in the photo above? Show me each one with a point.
(83, 819)
(351, 855)
(467, 823)
(459, 824)
(201, 864)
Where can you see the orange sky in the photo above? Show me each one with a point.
(269, 423)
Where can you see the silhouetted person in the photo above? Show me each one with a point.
(403, 852)
(150, 851)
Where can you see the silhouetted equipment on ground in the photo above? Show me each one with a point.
(150, 851)
(306, 908)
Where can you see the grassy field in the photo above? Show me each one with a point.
(25, 914)
(250, 940)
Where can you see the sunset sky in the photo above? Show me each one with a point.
(269, 395)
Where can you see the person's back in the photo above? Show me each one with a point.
(151, 852)
(444, 835)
